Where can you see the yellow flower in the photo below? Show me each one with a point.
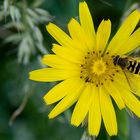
(83, 63)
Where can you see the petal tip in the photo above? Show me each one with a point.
(31, 75)
(45, 99)
(82, 4)
(136, 13)
(50, 116)
(48, 25)
(44, 59)
(74, 124)
(71, 20)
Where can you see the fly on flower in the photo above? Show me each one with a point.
(83, 63)
(128, 63)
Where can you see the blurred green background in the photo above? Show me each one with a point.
(23, 41)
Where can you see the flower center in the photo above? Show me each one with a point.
(99, 67)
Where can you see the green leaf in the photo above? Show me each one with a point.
(12, 13)
(24, 52)
(32, 14)
(30, 22)
(14, 38)
(5, 6)
(38, 34)
(44, 16)
(42, 12)
(15, 15)
(38, 3)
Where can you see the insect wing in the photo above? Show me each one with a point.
(134, 59)
(133, 81)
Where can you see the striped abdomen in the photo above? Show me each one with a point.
(134, 67)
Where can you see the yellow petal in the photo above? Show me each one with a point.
(69, 100)
(120, 76)
(58, 62)
(108, 112)
(68, 53)
(82, 106)
(51, 74)
(103, 34)
(60, 90)
(124, 32)
(87, 23)
(113, 91)
(77, 33)
(130, 100)
(134, 84)
(131, 43)
(94, 117)
(59, 35)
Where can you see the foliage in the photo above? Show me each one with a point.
(22, 20)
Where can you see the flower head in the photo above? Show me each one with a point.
(83, 62)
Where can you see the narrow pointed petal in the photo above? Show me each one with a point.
(124, 32)
(77, 33)
(94, 117)
(134, 84)
(103, 34)
(87, 23)
(60, 90)
(59, 35)
(121, 76)
(113, 91)
(69, 100)
(82, 107)
(69, 54)
(51, 74)
(58, 62)
(130, 100)
(108, 112)
(131, 43)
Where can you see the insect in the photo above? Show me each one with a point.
(131, 64)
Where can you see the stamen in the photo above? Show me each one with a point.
(112, 80)
(97, 69)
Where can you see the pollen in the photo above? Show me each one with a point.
(95, 68)
(99, 67)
